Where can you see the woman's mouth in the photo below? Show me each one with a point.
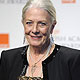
(36, 37)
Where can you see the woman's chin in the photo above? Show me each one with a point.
(35, 44)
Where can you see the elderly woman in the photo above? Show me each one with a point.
(41, 59)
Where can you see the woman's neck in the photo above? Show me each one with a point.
(39, 50)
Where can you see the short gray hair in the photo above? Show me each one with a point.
(44, 4)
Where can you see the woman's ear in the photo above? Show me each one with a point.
(52, 26)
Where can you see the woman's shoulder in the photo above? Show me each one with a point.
(68, 53)
(68, 50)
(13, 51)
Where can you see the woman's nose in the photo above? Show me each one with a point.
(35, 28)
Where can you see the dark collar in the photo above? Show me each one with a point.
(47, 60)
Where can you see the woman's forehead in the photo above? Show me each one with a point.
(37, 13)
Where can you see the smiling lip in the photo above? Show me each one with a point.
(36, 37)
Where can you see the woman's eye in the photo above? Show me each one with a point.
(28, 22)
(42, 23)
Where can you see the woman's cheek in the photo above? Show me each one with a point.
(26, 29)
(45, 31)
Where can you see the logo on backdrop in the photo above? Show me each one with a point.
(4, 40)
(68, 1)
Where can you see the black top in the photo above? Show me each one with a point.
(62, 64)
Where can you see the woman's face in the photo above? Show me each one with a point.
(37, 26)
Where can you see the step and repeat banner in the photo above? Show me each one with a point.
(66, 32)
